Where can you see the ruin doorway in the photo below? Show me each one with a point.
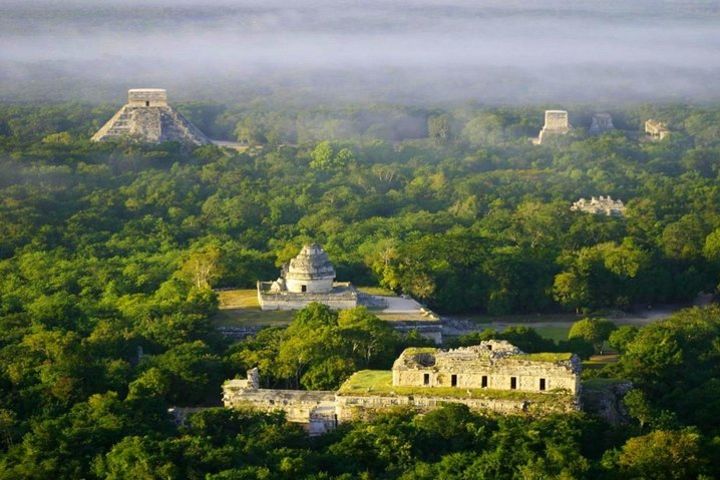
(542, 384)
(303, 288)
(453, 380)
(426, 379)
(147, 103)
(513, 383)
(484, 381)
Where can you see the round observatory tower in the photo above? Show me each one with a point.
(309, 272)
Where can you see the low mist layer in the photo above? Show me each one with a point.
(411, 51)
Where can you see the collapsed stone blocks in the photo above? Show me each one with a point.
(599, 206)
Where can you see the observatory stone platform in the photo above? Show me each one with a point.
(307, 278)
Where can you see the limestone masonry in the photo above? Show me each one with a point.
(556, 123)
(495, 365)
(148, 118)
(600, 206)
(656, 130)
(492, 376)
(307, 278)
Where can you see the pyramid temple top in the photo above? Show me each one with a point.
(148, 118)
(147, 97)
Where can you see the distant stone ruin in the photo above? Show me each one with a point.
(656, 130)
(556, 123)
(307, 278)
(601, 123)
(600, 206)
(147, 118)
(492, 376)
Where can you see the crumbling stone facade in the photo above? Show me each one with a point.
(656, 130)
(495, 365)
(315, 410)
(148, 118)
(364, 407)
(600, 206)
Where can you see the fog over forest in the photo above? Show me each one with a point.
(490, 51)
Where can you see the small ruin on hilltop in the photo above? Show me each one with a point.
(600, 206)
(656, 130)
(493, 376)
(147, 118)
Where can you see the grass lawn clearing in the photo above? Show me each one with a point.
(241, 308)
(552, 332)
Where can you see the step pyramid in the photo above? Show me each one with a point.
(148, 118)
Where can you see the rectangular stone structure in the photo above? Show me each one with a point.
(656, 130)
(493, 364)
(147, 97)
(556, 121)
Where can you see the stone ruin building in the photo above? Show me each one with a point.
(495, 365)
(600, 206)
(492, 376)
(307, 278)
(656, 130)
(148, 118)
(556, 123)
(601, 123)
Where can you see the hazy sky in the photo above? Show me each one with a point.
(492, 51)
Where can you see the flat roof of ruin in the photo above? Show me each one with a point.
(550, 357)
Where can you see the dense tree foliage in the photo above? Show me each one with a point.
(109, 254)
(471, 217)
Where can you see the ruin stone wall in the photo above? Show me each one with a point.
(527, 375)
(556, 121)
(321, 285)
(656, 129)
(496, 365)
(315, 410)
(351, 408)
(321, 411)
(297, 302)
(298, 405)
(345, 297)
